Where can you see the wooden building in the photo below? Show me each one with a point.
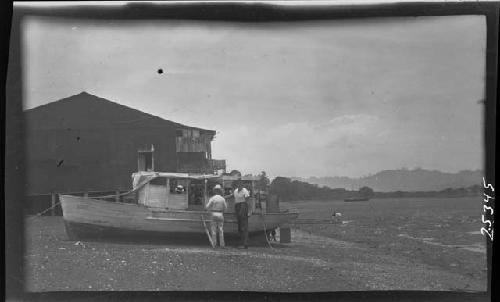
(86, 143)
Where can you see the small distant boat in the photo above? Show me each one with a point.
(353, 199)
(170, 205)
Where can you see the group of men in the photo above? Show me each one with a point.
(217, 205)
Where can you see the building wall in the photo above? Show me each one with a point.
(93, 159)
(87, 143)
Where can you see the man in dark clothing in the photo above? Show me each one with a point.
(241, 196)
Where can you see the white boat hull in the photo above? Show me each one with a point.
(87, 217)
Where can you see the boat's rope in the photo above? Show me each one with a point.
(126, 193)
(45, 211)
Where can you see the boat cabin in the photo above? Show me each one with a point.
(182, 191)
(176, 191)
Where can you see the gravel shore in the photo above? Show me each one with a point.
(309, 263)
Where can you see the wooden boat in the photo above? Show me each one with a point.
(158, 207)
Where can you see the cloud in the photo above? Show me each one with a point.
(350, 145)
(297, 147)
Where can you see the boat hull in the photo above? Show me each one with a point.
(87, 217)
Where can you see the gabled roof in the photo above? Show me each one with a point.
(86, 110)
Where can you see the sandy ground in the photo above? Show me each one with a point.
(310, 263)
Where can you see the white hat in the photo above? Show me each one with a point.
(217, 187)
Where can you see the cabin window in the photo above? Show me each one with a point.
(145, 161)
(196, 192)
(178, 186)
(196, 133)
(178, 133)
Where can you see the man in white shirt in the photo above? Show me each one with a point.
(241, 196)
(217, 204)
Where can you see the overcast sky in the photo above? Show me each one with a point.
(329, 98)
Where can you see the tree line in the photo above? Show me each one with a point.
(292, 190)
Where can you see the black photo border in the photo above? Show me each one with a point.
(232, 12)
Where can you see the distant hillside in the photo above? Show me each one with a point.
(402, 180)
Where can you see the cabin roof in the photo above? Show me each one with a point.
(174, 175)
(141, 178)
